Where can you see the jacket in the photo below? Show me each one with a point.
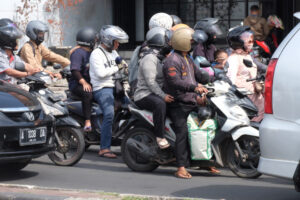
(102, 68)
(181, 78)
(40, 52)
(206, 51)
(150, 77)
(259, 26)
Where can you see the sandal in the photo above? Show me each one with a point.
(212, 170)
(183, 174)
(162, 143)
(107, 154)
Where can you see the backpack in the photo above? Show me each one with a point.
(133, 69)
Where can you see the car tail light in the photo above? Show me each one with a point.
(269, 86)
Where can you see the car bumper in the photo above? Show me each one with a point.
(11, 150)
(280, 147)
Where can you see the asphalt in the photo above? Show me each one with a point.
(112, 175)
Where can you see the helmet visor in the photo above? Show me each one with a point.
(215, 30)
(122, 41)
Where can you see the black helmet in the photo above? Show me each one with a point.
(87, 37)
(200, 36)
(176, 20)
(157, 37)
(205, 113)
(9, 33)
(210, 26)
(234, 37)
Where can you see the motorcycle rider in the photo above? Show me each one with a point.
(211, 28)
(258, 24)
(102, 69)
(79, 83)
(241, 40)
(157, 20)
(34, 51)
(9, 35)
(149, 94)
(182, 79)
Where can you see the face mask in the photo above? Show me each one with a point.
(248, 47)
(254, 15)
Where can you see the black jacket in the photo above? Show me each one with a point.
(182, 77)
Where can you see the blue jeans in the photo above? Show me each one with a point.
(105, 99)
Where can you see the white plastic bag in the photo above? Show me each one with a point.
(200, 136)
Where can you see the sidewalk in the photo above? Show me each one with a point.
(21, 192)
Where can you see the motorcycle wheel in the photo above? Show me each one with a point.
(247, 168)
(72, 149)
(132, 160)
(14, 166)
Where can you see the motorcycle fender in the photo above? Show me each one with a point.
(67, 121)
(247, 130)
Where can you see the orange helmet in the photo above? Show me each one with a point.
(178, 26)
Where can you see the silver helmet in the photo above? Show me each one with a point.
(34, 28)
(110, 33)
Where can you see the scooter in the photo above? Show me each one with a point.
(69, 142)
(235, 143)
(120, 121)
(241, 94)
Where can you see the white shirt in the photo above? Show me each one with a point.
(102, 68)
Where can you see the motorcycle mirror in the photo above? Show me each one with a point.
(57, 66)
(248, 63)
(20, 66)
(44, 63)
(203, 62)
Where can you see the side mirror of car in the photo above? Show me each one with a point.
(202, 62)
(20, 66)
(57, 66)
(248, 63)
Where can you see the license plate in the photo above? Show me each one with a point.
(31, 136)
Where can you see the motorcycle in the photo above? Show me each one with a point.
(235, 144)
(120, 121)
(241, 94)
(69, 142)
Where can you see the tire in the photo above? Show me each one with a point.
(74, 144)
(134, 162)
(250, 147)
(14, 166)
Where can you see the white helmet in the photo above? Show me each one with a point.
(162, 20)
(109, 33)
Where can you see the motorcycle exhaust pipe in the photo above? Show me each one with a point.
(140, 149)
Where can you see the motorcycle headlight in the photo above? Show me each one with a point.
(51, 110)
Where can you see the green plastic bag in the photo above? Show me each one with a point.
(200, 136)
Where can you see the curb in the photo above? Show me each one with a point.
(29, 192)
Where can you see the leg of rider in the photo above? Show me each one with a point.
(179, 119)
(86, 101)
(156, 105)
(105, 99)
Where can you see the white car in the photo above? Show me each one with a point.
(280, 128)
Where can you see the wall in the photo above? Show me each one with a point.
(94, 13)
(64, 17)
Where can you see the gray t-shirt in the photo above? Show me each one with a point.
(5, 63)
